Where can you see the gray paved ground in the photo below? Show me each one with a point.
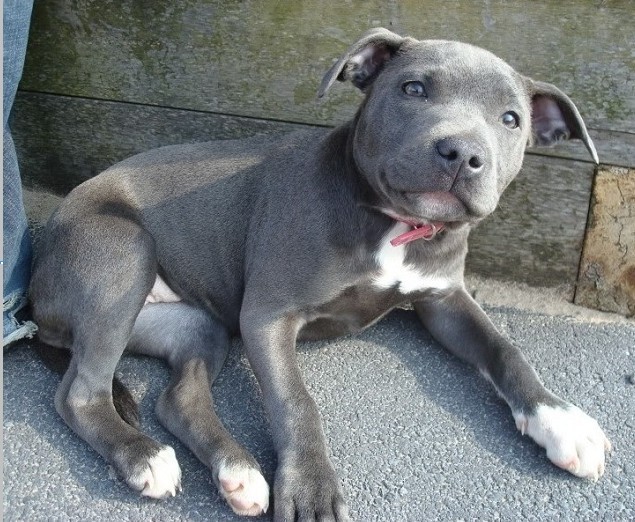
(415, 434)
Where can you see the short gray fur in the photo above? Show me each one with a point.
(278, 241)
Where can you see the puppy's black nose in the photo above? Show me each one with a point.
(460, 154)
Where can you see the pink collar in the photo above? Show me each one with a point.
(425, 232)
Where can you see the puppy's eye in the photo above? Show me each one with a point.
(510, 119)
(414, 88)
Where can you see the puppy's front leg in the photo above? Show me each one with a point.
(306, 487)
(573, 440)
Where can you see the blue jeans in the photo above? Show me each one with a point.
(16, 239)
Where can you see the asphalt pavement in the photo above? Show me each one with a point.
(415, 434)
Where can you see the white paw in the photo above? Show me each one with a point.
(573, 440)
(160, 478)
(244, 488)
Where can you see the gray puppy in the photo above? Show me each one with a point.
(315, 235)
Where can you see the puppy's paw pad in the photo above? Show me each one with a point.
(160, 477)
(573, 440)
(244, 488)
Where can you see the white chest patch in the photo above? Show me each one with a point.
(394, 271)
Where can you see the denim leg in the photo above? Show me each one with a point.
(16, 20)
(16, 239)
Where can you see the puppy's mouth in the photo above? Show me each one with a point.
(416, 208)
(427, 214)
(445, 206)
(424, 206)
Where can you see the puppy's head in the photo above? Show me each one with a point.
(444, 125)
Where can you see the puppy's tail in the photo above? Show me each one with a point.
(59, 359)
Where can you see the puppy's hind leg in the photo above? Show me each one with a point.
(89, 302)
(195, 344)
(146, 465)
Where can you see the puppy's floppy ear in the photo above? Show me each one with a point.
(554, 117)
(364, 59)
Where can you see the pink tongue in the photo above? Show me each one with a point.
(421, 232)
